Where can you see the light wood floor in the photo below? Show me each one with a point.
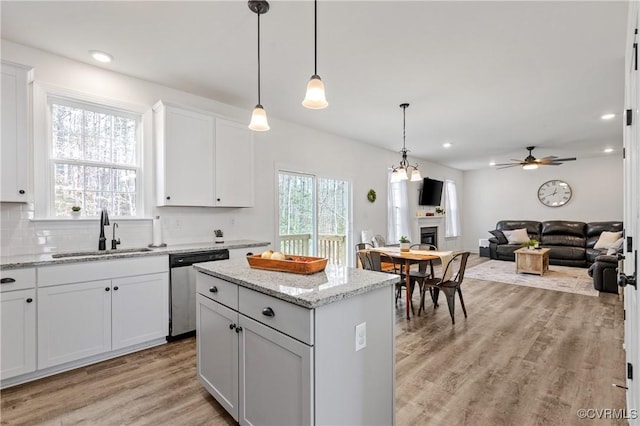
(524, 356)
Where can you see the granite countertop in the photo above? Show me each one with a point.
(309, 291)
(29, 260)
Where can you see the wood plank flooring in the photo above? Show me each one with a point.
(524, 356)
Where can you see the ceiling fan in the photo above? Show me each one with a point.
(531, 162)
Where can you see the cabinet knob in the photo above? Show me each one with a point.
(268, 312)
(107, 289)
(29, 300)
(238, 329)
(213, 289)
(249, 253)
(7, 280)
(168, 198)
(218, 199)
(232, 326)
(115, 288)
(21, 191)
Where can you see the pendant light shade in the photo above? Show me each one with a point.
(399, 172)
(315, 97)
(259, 121)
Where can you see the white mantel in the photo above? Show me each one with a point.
(424, 221)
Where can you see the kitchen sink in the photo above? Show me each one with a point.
(100, 252)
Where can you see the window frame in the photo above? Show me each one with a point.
(44, 162)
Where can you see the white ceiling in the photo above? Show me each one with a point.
(489, 77)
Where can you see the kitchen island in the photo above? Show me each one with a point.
(280, 348)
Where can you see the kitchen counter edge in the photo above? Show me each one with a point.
(25, 261)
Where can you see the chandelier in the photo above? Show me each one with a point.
(400, 172)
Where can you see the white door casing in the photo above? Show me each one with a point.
(632, 217)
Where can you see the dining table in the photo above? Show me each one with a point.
(408, 258)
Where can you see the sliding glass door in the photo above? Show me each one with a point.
(314, 216)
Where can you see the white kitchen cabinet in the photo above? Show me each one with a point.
(257, 373)
(202, 160)
(275, 375)
(185, 146)
(74, 322)
(15, 134)
(234, 165)
(139, 309)
(92, 308)
(217, 346)
(18, 333)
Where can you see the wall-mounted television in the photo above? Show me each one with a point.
(431, 193)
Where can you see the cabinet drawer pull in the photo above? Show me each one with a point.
(268, 312)
(29, 300)
(238, 330)
(21, 191)
(232, 326)
(213, 289)
(7, 281)
(107, 289)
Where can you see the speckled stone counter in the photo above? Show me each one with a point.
(309, 291)
(29, 260)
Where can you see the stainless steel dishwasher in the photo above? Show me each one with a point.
(182, 289)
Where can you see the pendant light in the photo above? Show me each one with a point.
(315, 97)
(399, 172)
(259, 121)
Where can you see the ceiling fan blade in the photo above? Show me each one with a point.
(548, 158)
(517, 161)
(505, 166)
(565, 159)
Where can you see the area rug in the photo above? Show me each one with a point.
(558, 278)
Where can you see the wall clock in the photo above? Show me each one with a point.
(554, 193)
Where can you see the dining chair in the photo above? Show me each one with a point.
(361, 246)
(370, 260)
(420, 275)
(378, 241)
(449, 287)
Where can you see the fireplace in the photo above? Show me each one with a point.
(429, 235)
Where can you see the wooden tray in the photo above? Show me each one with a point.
(295, 264)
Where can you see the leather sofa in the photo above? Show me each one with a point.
(605, 273)
(571, 242)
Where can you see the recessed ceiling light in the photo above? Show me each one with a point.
(608, 116)
(608, 150)
(101, 56)
(447, 144)
(493, 163)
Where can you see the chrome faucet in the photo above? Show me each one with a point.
(104, 221)
(114, 242)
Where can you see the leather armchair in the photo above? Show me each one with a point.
(605, 273)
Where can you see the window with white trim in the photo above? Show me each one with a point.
(94, 158)
(452, 218)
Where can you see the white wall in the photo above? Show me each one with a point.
(286, 145)
(492, 195)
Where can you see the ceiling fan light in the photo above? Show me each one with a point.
(530, 167)
(259, 121)
(415, 175)
(315, 97)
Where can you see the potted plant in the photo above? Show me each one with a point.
(75, 211)
(404, 243)
(531, 244)
(219, 235)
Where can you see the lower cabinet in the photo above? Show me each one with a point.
(18, 333)
(79, 320)
(258, 374)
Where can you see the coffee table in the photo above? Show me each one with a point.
(534, 261)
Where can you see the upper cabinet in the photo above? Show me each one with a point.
(15, 134)
(202, 160)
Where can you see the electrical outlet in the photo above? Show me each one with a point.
(361, 336)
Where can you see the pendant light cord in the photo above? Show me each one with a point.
(404, 121)
(259, 11)
(315, 37)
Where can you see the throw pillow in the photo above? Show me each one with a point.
(615, 247)
(517, 236)
(499, 236)
(607, 239)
